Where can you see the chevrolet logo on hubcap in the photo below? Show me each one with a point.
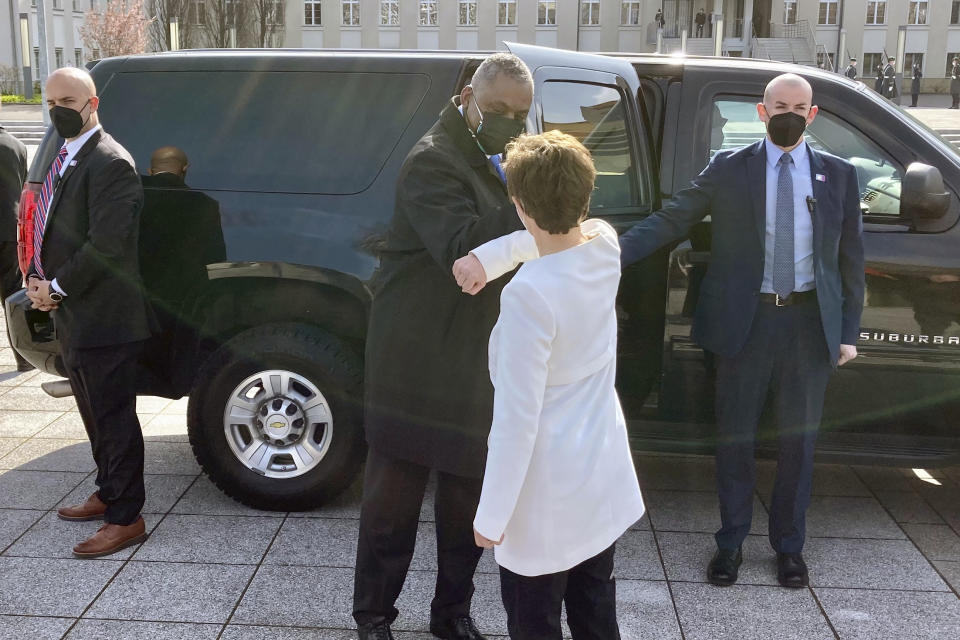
(277, 425)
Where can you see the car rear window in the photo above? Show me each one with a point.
(283, 132)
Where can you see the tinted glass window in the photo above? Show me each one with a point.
(265, 131)
(735, 123)
(594, 114)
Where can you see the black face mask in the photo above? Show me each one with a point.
(495, 131)
(68, 122)
(785, 129)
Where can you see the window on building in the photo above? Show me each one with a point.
(76, 5)
(78, 57)
(949, 70)
(877, 11)
(547, 12)
(58, 4)
(872, 63)
(629, 13)
(468, 13)
(918, 12)
(428, 13)
(790, 12)
(955, 12)
(589, 11)
(828, 12)
(389, 13)
(94, 5)
(58, 56)
(96, 54)
(198, 12)
(311, 12)
(507, 12)
(910, 59)
(36, 60)
(350, 10)
(596, 116)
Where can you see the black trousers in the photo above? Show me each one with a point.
(955, 100)
(786, 360)
(103, 381)
(11, 281)
(392, 496)
(589, 590)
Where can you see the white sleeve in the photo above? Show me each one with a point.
(525, 335)
(504, 254)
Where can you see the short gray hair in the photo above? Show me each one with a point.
(501, 64)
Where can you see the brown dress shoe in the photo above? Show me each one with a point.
(111, 538)
(92, 509)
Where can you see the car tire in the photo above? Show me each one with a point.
(253, 392)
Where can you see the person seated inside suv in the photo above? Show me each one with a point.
(560, 486)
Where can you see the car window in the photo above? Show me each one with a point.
(735, 123)
(595, 115)
(287, 132)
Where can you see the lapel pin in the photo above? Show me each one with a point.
(821, 177)
(73, 163)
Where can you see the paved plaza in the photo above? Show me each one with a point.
(884, 550)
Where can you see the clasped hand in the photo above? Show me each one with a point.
(470, 274)
(39, 293)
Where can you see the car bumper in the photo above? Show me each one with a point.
(33, 334)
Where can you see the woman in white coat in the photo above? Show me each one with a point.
(560, 486)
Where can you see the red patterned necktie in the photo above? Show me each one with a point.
(40, 217)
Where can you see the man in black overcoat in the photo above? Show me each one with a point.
(13, 173)
(429, 400)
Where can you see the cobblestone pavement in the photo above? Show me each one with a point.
(884, 550)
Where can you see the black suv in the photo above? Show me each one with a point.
(260, 266)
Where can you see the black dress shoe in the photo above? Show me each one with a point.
(792, 570)
(461, 628)
(724, 567)
(375, 631)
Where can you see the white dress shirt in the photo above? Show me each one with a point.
(804, 279)
(73, 147)
(560, 485)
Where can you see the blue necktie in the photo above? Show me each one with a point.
(495, 160)
(783, 260)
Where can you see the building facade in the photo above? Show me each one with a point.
(65, 46)
(868, 30)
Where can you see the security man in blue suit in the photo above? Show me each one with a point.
(779, 308)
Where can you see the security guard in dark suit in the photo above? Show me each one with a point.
(85, 270)
(955, 83)
(889, 86)
(779, 307)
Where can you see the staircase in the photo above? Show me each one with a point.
(792, 43)
(695, 46)
(28, 132)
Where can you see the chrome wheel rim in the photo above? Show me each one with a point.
(278, 424)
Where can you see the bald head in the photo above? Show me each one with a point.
(73, 88)
(788, 85)
(169, 160)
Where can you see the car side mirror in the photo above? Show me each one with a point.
(922, 196)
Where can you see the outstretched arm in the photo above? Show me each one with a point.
(688, 207)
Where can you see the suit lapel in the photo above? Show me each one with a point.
(87, 147)
(757, 178)
(819, 194)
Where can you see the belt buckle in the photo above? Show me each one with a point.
(781, 302)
